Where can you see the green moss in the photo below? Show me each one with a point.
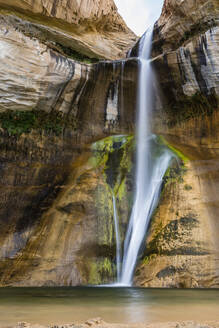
(112, 160)
(187, 187)
(16, 123)
(121, 191)
(175, 230)
(94, 277)
(114, 156)
(102, 148)
(174, 174)
(177, 152)
(104, 206)
(147, 259)
(100, 271)
(106, 268)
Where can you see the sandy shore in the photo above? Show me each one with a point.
(99, 323)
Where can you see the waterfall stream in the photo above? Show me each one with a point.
(149, 170)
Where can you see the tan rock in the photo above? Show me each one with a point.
(35, 77)
(96, 30)
(183, 18)
(42, 79)
(185, 51)
(30, 73)
(94, 322)
(66, 236)
(182, 247)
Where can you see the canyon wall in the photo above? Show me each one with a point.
(60, 107)
(57, 209)
(57, 98)
(34, 77)
(182, 248)
(77, 28)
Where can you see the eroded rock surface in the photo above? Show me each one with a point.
(62, 200)
(182, 247)
(35, 77)
(96, 30)
(181, 20)
(56, 212)
(54, 102)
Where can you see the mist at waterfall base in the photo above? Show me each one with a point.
(150, 170)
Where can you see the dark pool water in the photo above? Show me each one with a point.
(118, 305)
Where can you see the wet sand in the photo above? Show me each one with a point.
(99, 323)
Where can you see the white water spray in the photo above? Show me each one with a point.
(149, 171)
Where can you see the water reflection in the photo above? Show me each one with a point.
(122, 305)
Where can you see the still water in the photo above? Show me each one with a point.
(117, 305)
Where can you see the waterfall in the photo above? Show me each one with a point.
(149, 170)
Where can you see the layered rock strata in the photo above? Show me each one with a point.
(54, 102)
(182, 247)
(41, 79)
(185, 51)
(62, 194)
(95, 30)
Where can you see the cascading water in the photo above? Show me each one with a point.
(149, 172)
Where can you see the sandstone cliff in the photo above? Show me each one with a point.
(182, 247)
(56, 200)
(57, 213)
(95, 30)
(57, 183)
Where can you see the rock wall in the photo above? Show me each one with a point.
(185, 51)
(59, 230)
(95, 30)
(181, 20)
(55, 102)
(182, 247)
(41, 79)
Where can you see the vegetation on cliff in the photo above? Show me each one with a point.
(16, 123)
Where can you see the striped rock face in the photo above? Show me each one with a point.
(94, 29)
(63, 97)
(182, 245)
